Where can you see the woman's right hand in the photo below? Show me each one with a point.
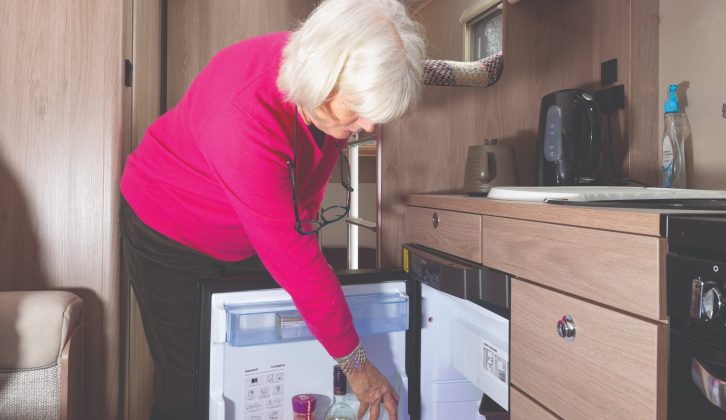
(372, 389)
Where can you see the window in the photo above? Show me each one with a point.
(482, 29)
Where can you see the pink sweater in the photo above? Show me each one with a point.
(211, 173)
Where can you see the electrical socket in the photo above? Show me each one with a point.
(609, 72)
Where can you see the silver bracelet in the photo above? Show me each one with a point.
(353, 361)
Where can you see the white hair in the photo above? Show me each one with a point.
(367, 50)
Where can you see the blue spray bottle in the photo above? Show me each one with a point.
(675, 133)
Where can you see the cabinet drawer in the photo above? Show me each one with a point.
(615, 366)
(521, 407)
(447, 231)
(621, 270)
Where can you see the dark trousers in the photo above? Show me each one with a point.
(165, 277)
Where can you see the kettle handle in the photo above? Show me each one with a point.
(594, 141)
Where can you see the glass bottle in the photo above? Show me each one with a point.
(339, 410)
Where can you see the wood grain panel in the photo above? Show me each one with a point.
(197, 30)
(147, 66)
(140, 368)
(616, 269)
(644, 114)
(61, 131)
(521, 407)
(548, 45)
(616, 363)
(611, 39)
(640, 221)
(71, 376)
(454, 233)
(146, 34)
(186, 53)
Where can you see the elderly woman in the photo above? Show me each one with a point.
(235, 173)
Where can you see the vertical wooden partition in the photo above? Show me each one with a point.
(61, 133)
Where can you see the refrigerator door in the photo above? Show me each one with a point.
(256, 353)
(464, 336)
(468, 351)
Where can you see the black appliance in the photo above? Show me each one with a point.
(570, 139)
(696, 287)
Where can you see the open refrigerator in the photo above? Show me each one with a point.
(438, 330)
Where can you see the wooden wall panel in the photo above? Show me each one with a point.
(197, 30)
(147, 66)
(645, 117)
(611, 36)
(61, 135)
(548, 45)
(138, 397)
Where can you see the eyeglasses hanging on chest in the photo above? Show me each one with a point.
(326, 215)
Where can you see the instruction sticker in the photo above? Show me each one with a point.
(405, 260)
(495, 363)
(264, 393)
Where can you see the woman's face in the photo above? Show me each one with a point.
(335, 118)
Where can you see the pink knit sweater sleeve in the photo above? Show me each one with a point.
(247, 151)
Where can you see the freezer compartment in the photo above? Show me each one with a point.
(250, 324)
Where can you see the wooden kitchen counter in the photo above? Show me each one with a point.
(602, 269)
(637, 221)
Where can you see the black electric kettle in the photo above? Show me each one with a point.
(569, 147)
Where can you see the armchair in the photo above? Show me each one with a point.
(41, 355)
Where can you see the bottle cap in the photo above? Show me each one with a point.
(303, 403)
(339, 381)
(671, 104)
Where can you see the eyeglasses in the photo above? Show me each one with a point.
(329, 214)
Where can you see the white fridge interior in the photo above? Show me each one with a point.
(261, 355)
(464, 353)
(445, 348)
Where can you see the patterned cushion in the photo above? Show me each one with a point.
(31, 394)
(482, 73)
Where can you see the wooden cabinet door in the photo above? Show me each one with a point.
(447, 231)
(614, 368)
(521, 407)
(620, 270)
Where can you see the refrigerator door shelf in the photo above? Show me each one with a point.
(253, 323)
(480, 352)
(467, 349)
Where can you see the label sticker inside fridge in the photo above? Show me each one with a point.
(494, 362)
(264, 392)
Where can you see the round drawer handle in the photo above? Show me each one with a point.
(435, 220)
(566, 328)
